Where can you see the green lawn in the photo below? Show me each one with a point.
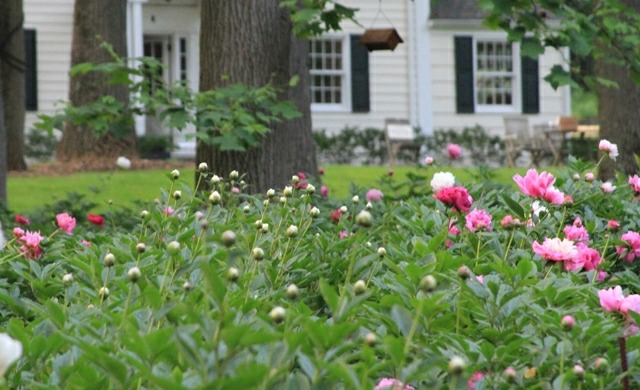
(123, 187)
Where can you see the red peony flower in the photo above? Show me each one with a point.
(22, 220)
(456, 197)
(95, 219)
(335, 215)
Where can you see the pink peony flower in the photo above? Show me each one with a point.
(324, 191)
(168, 210)
(474, 378)
(555, 249)
(392, 384)
(456, 197)
(568, 322)
(453, 229)
(630, 302)
(235, 190)
(613, 225)
(335, 215)
(539, 186)
(634, 182)
(602, 275)
(607, 187)
(454, 151)
(22, 220)
(576, 232)
(66, 222)
(18, 232)
(611, 299)
(509, 222)
(374, 195)
(632, 248)
(608, 147)
(589, 176)
(428, 160)
(343, 234)
(31, 248)
(478, 220)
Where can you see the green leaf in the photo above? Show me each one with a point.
(514, 206)
(297, 381)
(401, 317)
(329, 295)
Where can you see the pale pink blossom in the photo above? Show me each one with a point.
(630, 302)
(31, 248)
(611, 298)
(509, 222)
(66, 222)
(18, 232)
(454, 151)
(324, 191)
(576, 232)
(589, 176)
(478, 220)
(587, 258)
(632, 248)
(555, 249)
(428, 160)
(555, 196)
(576, 176)
(392, 384)
(374, 195)
(608, 147)
(634, 182)
(474, 378)
(539, 186)
(607, 187)
(168, 210)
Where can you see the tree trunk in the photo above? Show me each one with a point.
(618, 114)
(3, 148)
(251, 42)
(12, 62)
(96, 21)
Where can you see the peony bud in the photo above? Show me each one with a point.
(264, 228)
(292, 291)
(175, 174)
(355, 199)
(277, 314)
(203, 167)
(311, 189)
(295, 179)
(246, 209)
(233, 175)
(428, 283)
(228, 238)
(173, 247)
(144, 214)
(510, 374)
(186, 286)
(368, 206)
(292, 231)
(177, 195)
(314, 212)
(215, 179)
(370, 339)
(215, 197)
(382, 252)
(257, 254)
(109, 260)
(141, 247)
(568, 322)
(359, 287)
(456, 365)
(103, 292)
(283, 199)
(288, 191)
(364, 219)
(233, 274)
(463, 272)
(576, 176)
(343, 209)
(601, 365)
(578, 371)
(67, 278)
(134, 274)
(271, 193)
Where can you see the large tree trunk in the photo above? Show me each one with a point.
(3, 148)
(12, 64)
(618, 114)
(96, 21)
(251, 42)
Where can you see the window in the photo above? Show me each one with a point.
(339, 69)
(30, 70)
(495, 75)
(492, 77)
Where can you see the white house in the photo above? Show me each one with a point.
(450, 72)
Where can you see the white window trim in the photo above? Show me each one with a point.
(516, 98)
(345, 106)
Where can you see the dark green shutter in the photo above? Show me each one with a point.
(530, 86)
(31, 71)
(359, 76)
(464, 75)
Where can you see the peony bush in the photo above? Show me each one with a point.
(446, 285)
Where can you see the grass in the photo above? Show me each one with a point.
(26, 194)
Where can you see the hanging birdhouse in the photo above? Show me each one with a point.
(380, 39)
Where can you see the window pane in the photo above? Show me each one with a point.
(325, 55)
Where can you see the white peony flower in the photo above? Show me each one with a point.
(123, 162)
(442, 180)
(10, 351)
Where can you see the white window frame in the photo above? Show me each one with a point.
(345, 105)
(516, 85)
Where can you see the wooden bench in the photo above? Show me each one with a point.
(399, 135)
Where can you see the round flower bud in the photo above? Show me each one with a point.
(463, 272)
(233, 274)
(292, 231)
(355, 199)
(568, 322)
(288, 191)
(576, 176)
(90, 306)
(369, 206)
(228, 238)
(277, 314)
(175, 174)
(203, 167)
(141, 247)
(264, 228)
(314, 212)
(257, 254)
(456, 365)
(199, 215)
(510, 374)
(283, 199)
(103, 292)
(246, 208)
(177, 195)
(368, 244)
(359, 287)
(215, 197)
(370, 339)
(343, 209)
(215, 179)
(67, 278)
(109, 260)
(134, 274)
(578, 371)
(144, 214)
(601, 365)
(310, 189)
(428, 283)
(173, 247)
(186, 286)
(271, 193)
(382, 252)
(295, 179)
(292, 291)
(265, 202)
(258, 224)
(364, 219)
(233, 175)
